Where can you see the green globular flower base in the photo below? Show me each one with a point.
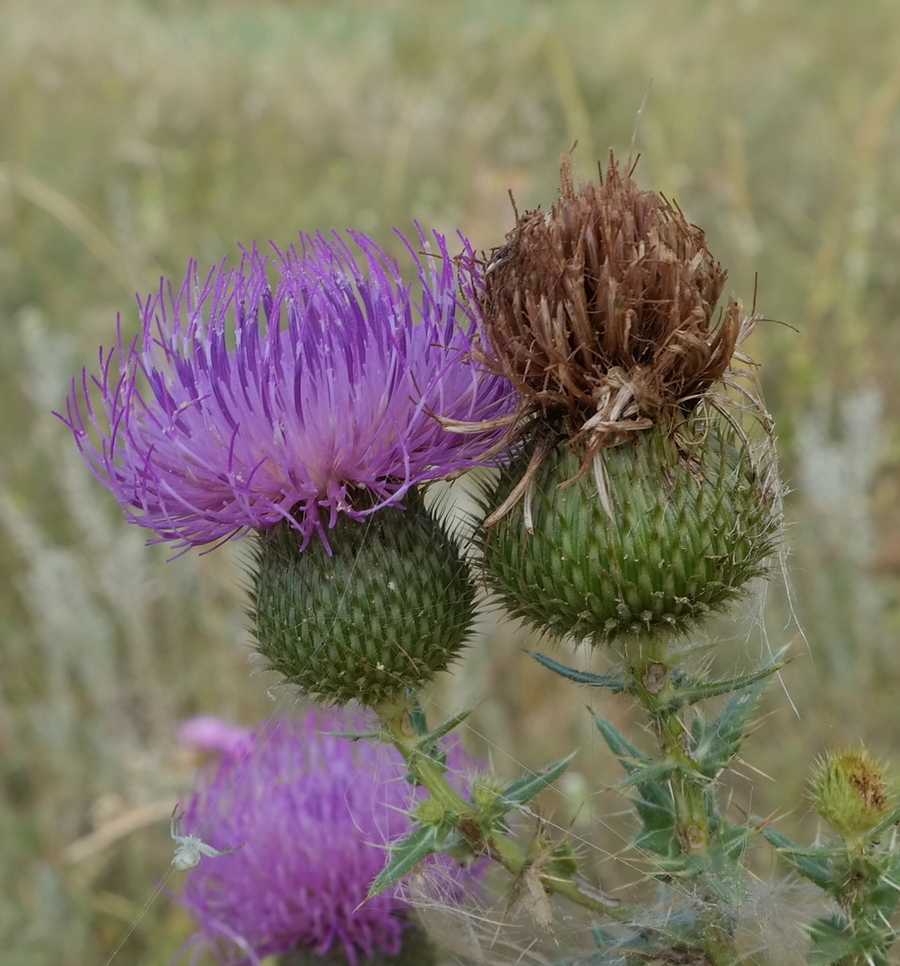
(389, 608)
(693, 519)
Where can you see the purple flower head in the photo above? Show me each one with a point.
(244, 402)
(314, 812)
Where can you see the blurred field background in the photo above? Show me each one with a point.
(134, 135)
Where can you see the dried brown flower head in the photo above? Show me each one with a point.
(601, 311)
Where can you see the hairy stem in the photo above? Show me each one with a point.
(489, 842)
(650, 674)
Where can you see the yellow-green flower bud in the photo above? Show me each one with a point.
(563, 861)
(429, 812)
(850, 791)
(486, 793)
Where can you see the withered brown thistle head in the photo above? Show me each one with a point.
(602, 311)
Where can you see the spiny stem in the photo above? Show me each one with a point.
(492, 843)
(651, 683)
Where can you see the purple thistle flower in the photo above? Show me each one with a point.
(242, 403)
(314, 812)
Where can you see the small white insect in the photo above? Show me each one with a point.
(190, 848)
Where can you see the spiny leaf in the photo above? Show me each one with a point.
(716, 743)
(892, 819)
(447, 726)
(654, 803)
(812, 863)
(356, 735)
(406, 855)
(632, 759)
(734, 839)
(884, 897)
(614, 682)
(643, 772)
(620, 746)
(417, 714)
(724, 879)
(526, 788)
(693, 691)
(833, 942)
(662, 840)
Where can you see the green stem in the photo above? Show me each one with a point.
(862, 874)
(498, 847)
(651, 683)
(692, 823)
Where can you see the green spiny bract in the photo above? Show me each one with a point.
(693, 515)
(390, 607)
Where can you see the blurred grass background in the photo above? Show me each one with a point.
(134, 135)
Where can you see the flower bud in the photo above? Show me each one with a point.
(429, 812)
(487, 793)
(850, 792)
(387, 608)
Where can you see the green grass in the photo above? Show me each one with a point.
(134, 136)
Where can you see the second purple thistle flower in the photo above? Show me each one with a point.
(245, 402)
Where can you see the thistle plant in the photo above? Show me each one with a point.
(635, 495)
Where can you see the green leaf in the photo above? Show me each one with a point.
(526, 788)
(644, 772)
(406, 855)
(614, 682)
(656, 810)
(724, 879)
(357, 735)
(734, 839)
(832, 942)
(428, 745)
(448, 726)
(417, 714)
(631, 758)
(812, 863)
(661, 840)
(883, 897)
(838, 940)
(716, 743)
(892, 819)
(653, 803)
(619, 745)
(692, 691)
